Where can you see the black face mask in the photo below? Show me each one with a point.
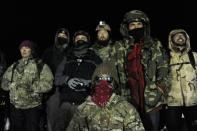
(81, 48)
(137, 34)
(80, 42)
(62, 40)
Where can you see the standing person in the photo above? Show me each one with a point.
(73, 77)
(105, 110)
(182, 95)
(142, 67)
(53, 57)
(3, 94)
(26, 80)
(103, 42)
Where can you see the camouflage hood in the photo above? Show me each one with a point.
(171, 44)
(132, 16)
(57, 44)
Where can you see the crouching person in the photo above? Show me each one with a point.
(105, 110)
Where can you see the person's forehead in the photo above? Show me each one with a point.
(62, 34)
(179, 33)
(80, 36)
(102, 31)
(25, 47)
(135, 22)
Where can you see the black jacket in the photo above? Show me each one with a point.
(74, 67)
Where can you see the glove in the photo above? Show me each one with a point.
(85, 82)
(74, 82)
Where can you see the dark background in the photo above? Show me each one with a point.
(39, 20)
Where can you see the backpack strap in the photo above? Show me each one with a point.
(13, 68)
(40, 65)
(192, 60)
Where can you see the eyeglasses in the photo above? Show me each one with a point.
(104, 77)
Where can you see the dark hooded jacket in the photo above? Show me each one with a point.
(55, 54)
(76, 66)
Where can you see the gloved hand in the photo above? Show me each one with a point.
(74, 82)
(85, 82)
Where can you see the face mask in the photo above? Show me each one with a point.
(137, 34)
(80, 45)
(81, 48)
(62, 40)
(80, 42)
(102, 93)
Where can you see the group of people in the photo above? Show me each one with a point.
(102, 85)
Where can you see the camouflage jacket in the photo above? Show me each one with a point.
(155, 63)
(182, 76)
(26, 84)
(104, 52)
(117, 115)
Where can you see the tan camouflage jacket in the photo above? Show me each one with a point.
(26, 84)
(182, 76)
(117, 115)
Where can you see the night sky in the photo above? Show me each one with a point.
(39, 21)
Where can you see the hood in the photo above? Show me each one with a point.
(57, 44)
(171, 45)
(132, 16)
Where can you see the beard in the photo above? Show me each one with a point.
(103, 42)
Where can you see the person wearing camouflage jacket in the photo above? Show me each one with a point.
(26, 80)
(182, 94)
(4, 98)
(103, 43)
(104, 110)
(142, 66)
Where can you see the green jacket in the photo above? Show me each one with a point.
(104, 52)
(26, 83)
(117, 115)
(155, 63)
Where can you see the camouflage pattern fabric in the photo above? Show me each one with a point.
(117, 115)
(25, 84)
(182, 76)
(104, 52)
(154, 60)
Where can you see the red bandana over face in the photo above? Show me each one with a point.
(102, 94)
